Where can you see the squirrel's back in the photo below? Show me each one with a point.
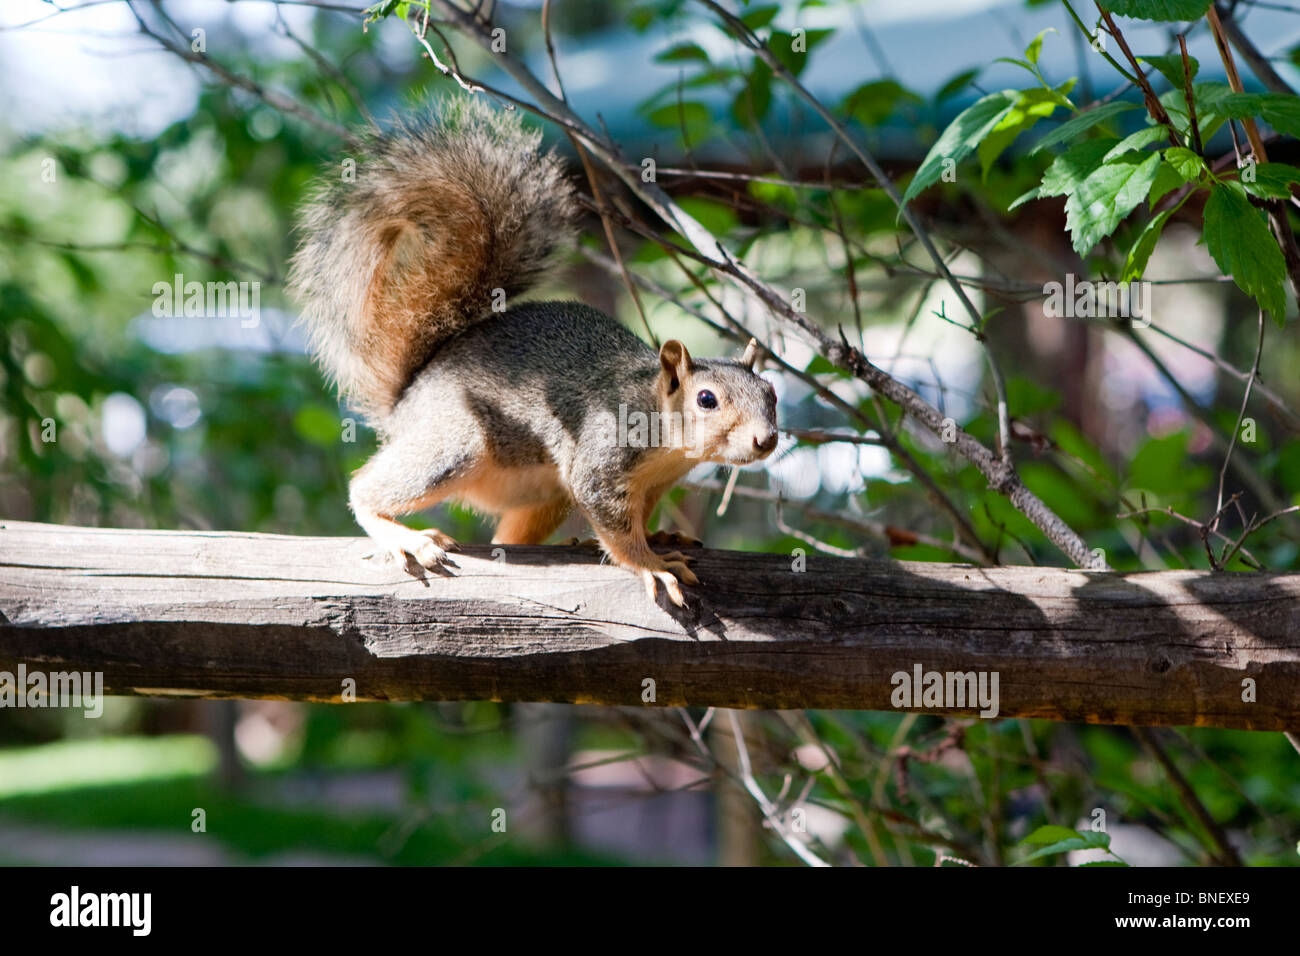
(443, 219)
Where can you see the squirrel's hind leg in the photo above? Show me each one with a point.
(533, 524)
(385, 487)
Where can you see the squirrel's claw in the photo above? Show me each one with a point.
(669, 582)
(669, 577)
(427, 549)
(444, 541)
(685, 574)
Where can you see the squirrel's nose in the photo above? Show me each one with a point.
(767, 443)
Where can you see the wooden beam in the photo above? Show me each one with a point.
(221, 614)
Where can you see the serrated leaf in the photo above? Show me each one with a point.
(962, 136)
(1242, 246)
(1030, 107)
(1171, 67)
(1139, 140)
(1270, 180)
(1279, 110)
(1109, 194)
(1081, 123)
(1164, 11)
(1135, 263)
(1185, 162)
(1071, 168)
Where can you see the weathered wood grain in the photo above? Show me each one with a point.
(248, 615)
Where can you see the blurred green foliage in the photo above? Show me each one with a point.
(212, 198)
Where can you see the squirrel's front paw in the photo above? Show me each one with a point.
(668, 576)
(674, 539)
(425, 549)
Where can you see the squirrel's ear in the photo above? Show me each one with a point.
(751, 354)
(675, 362)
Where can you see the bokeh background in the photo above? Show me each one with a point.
(124, 165)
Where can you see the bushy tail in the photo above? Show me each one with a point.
(440, 215)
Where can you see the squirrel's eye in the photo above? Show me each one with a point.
(706, 399)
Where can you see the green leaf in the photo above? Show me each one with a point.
(1171, 68)
(956, 85)
(1031, 106)
(755, 98)
(1135, 263)
(1049, 834)
(962, 136)
(1036, 45)
(317, 424)
(1109, 194)
(782, 46)
(873, 103)
(1077, 125)
(717, 217)
(681, 52)
(1185, 162)
(691, 119)
(759, 17)
(1279, 110)
(1071, 168)
(1161, 466)
(1167, 179)
(1242, 246)
(1165, 11)
(1054, 839)
(1270, 180)
(1024, 198)
(1206, 97)
(383, 10)
(1084, 841)
(1139, 140)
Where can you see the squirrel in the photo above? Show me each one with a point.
(522, 412)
